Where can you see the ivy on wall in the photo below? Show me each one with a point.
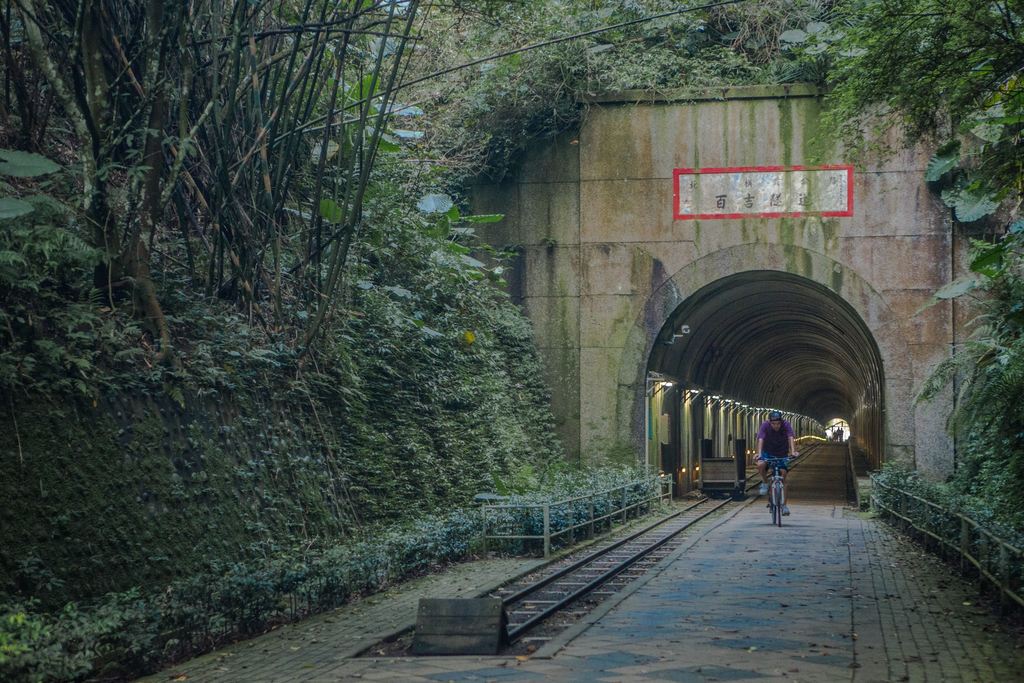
(139, 488)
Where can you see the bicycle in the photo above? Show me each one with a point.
(776, 488)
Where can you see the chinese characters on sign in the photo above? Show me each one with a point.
(763, 192)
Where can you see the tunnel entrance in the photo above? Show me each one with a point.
(748, 343)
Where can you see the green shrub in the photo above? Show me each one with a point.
(949, 498)
(127, 634)
(606, 489)
(37, 646)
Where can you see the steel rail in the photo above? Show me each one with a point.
(534, 587)
(518, 630)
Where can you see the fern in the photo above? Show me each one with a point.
(48, 325)
(989, 415)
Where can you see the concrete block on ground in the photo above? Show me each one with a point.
(460, 626)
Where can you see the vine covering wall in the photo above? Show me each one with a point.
(143, 486)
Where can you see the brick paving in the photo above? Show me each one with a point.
(324, 641)
(833, 595)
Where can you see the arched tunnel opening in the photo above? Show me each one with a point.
(749, 343)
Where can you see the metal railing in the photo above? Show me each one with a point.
(554, 520)
(996, 561)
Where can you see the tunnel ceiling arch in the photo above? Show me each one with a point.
(774, 339)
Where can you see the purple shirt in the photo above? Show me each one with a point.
(775, 443)
(786, 429)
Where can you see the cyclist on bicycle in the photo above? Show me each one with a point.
(775, 439)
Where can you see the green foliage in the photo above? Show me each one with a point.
(53, 329)
(18, 633)
(942, 162)
(572, 496)
(989, 417)
(48, 323)
(483, 117)
(949, 73)
(12, 208)
(64, 646)
(933, 69)
(25, 164)
(970, 202)
(425, 385)
(412, 403)
(127, 634)
(952, 497)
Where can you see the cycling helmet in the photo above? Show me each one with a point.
(775, 415)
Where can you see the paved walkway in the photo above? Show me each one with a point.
(293, 652)
(830, 596)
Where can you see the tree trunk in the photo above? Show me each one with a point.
(87, 103)
(137, 257)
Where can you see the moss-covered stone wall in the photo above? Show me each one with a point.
(137, 490)
(144, 486)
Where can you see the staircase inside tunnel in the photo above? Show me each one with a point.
(748, 343)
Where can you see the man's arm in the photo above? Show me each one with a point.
(760, 448)
(792, 446)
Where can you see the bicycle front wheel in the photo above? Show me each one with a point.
(778, 500)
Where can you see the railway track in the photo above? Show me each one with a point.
(574, 586)
(544, 603)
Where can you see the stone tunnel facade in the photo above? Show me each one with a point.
(611, 275)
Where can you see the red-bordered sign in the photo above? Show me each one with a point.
(762, 192)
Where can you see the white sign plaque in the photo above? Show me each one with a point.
(763, 192)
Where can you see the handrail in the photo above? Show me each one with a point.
(958, 533)
(659, 488)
